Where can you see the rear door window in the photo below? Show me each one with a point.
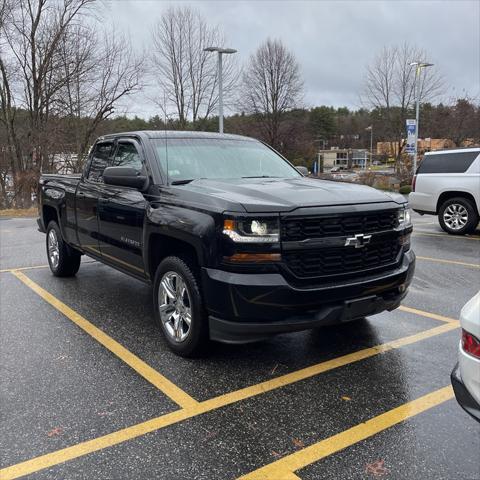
(455, 162)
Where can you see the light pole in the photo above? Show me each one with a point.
(320, 156)
(220, 51)
(371, 145)
(418, 68)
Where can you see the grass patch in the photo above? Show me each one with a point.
(19, 212)
(405, 189)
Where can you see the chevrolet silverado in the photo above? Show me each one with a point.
(237, 244)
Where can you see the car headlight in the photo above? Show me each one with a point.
(405, 217)
(252, 230)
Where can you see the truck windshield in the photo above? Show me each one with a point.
(193, 158)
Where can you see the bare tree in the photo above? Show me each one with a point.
(5, 8)
(55, 67)
(390, 88)
(7, 112)
(184, 73)
(100, 72)
(272, 85)
(33, 30)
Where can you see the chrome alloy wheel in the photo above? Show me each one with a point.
(455, 216)
(175, 306)
(53, 249)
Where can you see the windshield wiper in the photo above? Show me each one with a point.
(261, 176)
(182, 182)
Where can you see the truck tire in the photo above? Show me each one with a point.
(179, 308)
(458, 216)
(63, 260)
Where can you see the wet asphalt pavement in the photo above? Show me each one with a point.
(72, 408)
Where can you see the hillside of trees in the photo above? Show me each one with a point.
(303, 131)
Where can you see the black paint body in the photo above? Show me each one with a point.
(132, 231)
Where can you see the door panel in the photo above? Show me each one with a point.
(86, 201)
(121, 214)
(88, 192)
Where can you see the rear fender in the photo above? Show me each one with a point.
(53, 198)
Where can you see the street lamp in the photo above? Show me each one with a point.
(220, 51)
(418, 67)
(319, 164)
(370, 128)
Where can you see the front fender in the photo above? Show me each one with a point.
(187, 225)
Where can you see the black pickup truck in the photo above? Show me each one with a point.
(237, 244)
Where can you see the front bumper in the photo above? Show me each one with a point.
(250, 307)
(463, 396)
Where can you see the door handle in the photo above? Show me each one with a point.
(80, 194)
(103, 201)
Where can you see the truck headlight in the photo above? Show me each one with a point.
(252, 230)
(405, 217)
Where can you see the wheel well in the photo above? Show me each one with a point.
(446, 195)
(162, 246)
(49, 214)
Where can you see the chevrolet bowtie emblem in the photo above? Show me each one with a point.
(358, 241)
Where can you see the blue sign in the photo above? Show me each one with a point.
(315, 167)
(410, 147)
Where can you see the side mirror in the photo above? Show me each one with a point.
(303, 170)
(125, 177)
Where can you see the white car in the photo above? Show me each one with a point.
(466, 374)
(447, 184)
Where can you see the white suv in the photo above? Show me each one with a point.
(447, 184)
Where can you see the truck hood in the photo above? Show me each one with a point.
(277, 195)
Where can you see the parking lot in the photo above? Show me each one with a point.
(90, 390)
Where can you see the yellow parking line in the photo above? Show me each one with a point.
(423, 313)
(9, 270)
(313, 370)
(148, 373)
(90, 446)
(446, 235)
(282, 469)
(451, 262)
(34, 267)
(80, 449)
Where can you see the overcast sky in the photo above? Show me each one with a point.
(332, 40)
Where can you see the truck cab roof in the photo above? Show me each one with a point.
(170, 134)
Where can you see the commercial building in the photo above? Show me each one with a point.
(344, 157)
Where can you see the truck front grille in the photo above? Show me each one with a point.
(301, 228)
(341, 260)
